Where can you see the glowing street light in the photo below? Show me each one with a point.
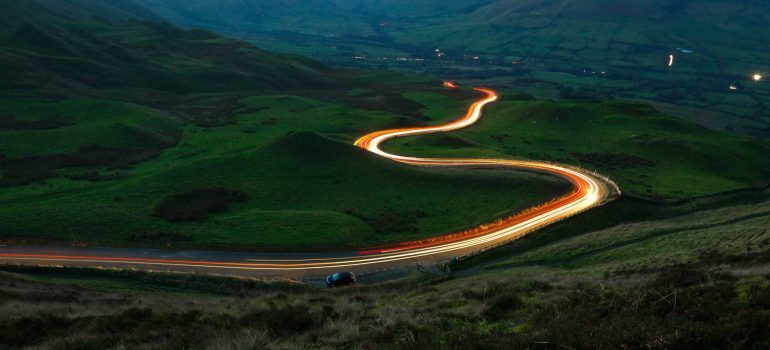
(757, 77)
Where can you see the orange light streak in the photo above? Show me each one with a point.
(588, 191)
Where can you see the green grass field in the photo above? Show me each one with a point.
(686, 237)
(649, 154)
(307, 187)
(116, 129)
(285, 153)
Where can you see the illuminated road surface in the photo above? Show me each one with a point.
(589, 190)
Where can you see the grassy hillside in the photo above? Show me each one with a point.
(632, 274)
(554, 49)
(301, 191)
(113, 10)
(67, 50)
(634, 234)
(305, 17)
(687, 281)
(648, 153)
(649, 244)
(268, 178)
(77, 137)
(136, 132)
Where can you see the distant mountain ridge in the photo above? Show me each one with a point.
(406, 21)
(702, 10)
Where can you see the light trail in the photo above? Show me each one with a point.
(450, 85)
(670, 60)
(588, 191)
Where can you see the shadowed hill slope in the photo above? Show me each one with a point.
(86, 45)
(114, 10)
(243, 16)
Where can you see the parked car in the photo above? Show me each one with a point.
(340, 279)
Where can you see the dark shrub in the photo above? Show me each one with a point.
(678, 276)
(391, 221)
(196, 205)
(9, 122)
(95, 176)
(284, 320)
(21, 331)
(27, 170)
(502, 305)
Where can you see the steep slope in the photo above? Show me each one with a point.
(15, 12)
(313, 17)
(115, 10)
(72, 48)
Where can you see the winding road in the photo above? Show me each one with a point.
(589, 190)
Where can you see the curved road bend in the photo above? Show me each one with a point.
(588, 191)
